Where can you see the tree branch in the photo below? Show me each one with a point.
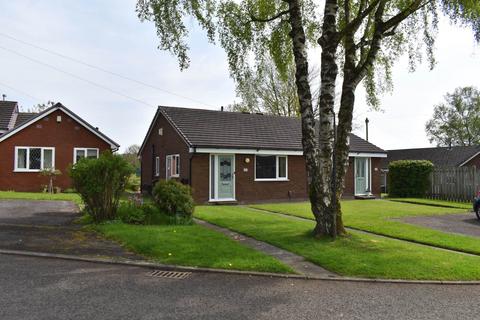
(278, 15)
(353, 25)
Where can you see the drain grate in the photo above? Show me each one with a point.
(169, 274)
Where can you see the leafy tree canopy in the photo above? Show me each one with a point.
(456, 122)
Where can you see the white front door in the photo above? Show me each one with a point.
(362, 176)
(222, 177)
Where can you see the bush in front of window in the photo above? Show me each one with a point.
(100, 182)
(409, 178)
(174, 199)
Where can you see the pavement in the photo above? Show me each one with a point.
(38, 288)
(465, 224)
(49, 226)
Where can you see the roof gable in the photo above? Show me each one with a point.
(234, 130)
(29, 118)
(7, 112)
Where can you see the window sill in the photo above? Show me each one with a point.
(266, 180)
(27, 170)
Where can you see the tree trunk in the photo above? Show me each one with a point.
(309, 136)
(326, 219)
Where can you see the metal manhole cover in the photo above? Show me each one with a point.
(169, 274)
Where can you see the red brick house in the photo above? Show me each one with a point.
(54, 138)
(238, 157)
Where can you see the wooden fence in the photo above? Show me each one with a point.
(454, 184)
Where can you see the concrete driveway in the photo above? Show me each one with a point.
(466, 224)
(49, 226)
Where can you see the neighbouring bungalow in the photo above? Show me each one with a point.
(447, 157)
(241, 157)
(52, 139)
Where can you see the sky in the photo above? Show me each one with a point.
(108, 34)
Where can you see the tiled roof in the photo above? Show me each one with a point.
(6, 112)
(439, 156)
(23, 117)
(222, 129)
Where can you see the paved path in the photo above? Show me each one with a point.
(48, 226)
(465, 224)
(35, 288)
(296, 262)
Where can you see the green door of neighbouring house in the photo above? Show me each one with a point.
(361, 176)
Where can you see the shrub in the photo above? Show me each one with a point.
(133, 183)
(100, 183)
(409, 178)
(131, 213)
(174, 199)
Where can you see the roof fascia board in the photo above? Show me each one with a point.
(149, 131)
(469, 159)
(42, 115)
(275, 152)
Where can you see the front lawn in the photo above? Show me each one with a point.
(12, 195)
(190, 245)
(381, 217)
(359, 254)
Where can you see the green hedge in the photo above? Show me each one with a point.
(409, 178)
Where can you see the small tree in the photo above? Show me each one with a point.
(51, 174)
(456, 122)
(100, 183)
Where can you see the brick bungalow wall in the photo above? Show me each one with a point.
(46, 132)
(170, 142)
(246, 189)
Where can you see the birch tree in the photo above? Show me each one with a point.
(359, 40)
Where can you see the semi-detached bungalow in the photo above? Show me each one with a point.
(242, 157)
(52, 139)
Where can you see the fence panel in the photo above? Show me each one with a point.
(454, 184)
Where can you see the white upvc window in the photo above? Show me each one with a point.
(271, 168)
(34, 159)
(80, 153)
(172, 166)
(157, 166)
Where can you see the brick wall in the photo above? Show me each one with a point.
(46, 132)
(170, 142)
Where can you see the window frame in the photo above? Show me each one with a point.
(177, 166)
(157, 166)
(27, 164)
(277, 168)
(86, 152)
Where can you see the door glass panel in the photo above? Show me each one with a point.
(360, 175)
(225, 177)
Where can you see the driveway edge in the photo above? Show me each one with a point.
(154, 265)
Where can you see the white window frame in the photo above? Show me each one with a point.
(17, 169)
(85, 150)
(177, 174)
(277, 168)
(157, 166)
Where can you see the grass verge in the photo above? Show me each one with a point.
(12, 195)
(382, 217)
(191, 245)
(435, 203)
(359, 255)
